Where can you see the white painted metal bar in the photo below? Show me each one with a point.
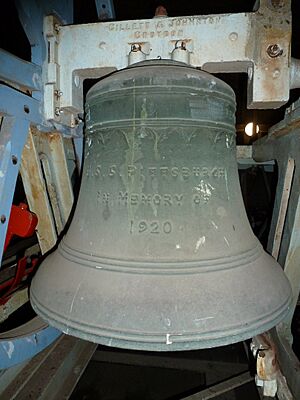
(286, 190)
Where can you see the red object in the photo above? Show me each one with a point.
(12, 284)
(21, 223)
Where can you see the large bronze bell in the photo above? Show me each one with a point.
(160, 254)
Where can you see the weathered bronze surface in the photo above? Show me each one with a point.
(160, 254)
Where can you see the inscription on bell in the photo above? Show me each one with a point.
(153, 171)
(152, 227)
(125, 198)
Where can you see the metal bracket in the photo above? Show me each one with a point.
(257, 43)
(269, 376)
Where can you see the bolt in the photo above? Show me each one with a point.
(136, 47)
(180, 44)
(276, 73)
(161, 12)
(233, 36)
(58, 111)
(274, 50)
(56, 28)
(58, 93)
(3, 219)
(262, 354)
(277, 3)
(102, 45)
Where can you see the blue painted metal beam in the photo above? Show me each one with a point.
(31, 14)
(25, 341)
(18, 105)
(18, 111)
(22, 73)
(105, 10)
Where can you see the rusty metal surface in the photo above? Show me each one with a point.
(267, 369)
(47, 184)
(53, 162)
(266, 365)
(36, 193)
(269, 377)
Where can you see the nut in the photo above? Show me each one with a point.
(58, 111)
(180, 44)
(136, 47)
(56, 28)
(274, 50)
(58, 93)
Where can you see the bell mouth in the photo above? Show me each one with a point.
(159, 342)
(156, 312)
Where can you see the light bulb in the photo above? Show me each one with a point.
(249, 129)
